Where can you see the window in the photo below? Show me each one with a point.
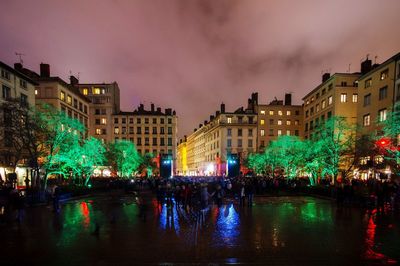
(169, 120)
(288, 112)
(384, 74)
(154, 141)
(146, 141)
(139, 141)
(323, 91)
(98, 131)
(162, 120)
(288, 122)
(367, 99)
(154, 120)
(279, 132)
(323, 104)
(296, 122)
(297, 112)
(6, 92)
(146, 120)
(280, 112)
(5, 74)
(116, 120)
(296, 132)
(229, 143)
(75, 103)
(271, 132)
(364, 160)
(229, 133)
(343, 84)
(368, 83)
(383, 93)
(250, 119)
(162, 141)
(97, 121)
(240, 143)
(250, 132)
(262, 112)
(24, 100)
(130, 130)
(262, 132)
(36, 91)
(169, 141)
(154, 130)
(240, 132)
(330, 100)
(139, 130)
(262, 122)
(307, 113)
(355, 97)
(329, 115)
(330, 86)
(317, 108)
(123, 131)
(170, 130)
(85, 91)
(382, 115)
(116, 130)
(279, 122)
(96, 91)
(69, 99)
(288, 132)
(103, 121)
(366, 120)
(62, 96)
(240, 119)
(229, 120)
(23, 84)
(124, 120)
(250, 143)
(343, 97)
(146, 130)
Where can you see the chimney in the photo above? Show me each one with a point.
(254, 98)
(288, 99)
(152, 107)
(366, 66)
(205, 122)
(222, 108)
(200, 125)
(217, 113)
(44, 70)
(168, 111)
(211, 118)
(158, 109)
(141, 107)
(74, 81)
(18, 66)
(326, 76)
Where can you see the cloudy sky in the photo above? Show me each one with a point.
(191, 55)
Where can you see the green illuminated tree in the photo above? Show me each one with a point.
(257, 162)
(123, 156)
(391, 128)
(335, 141)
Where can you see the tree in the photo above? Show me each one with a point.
(123, 156)
(257, 162)
(391, 129)
(147, 164)
(335, 143)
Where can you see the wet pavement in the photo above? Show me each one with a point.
(106, 230)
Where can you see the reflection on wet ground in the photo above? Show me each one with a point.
(106, 230)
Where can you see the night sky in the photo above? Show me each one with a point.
(191, 55)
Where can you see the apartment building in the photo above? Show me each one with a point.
(153, 131)
(104, 103)
(17, 90)
(276, 119)
(337, 95)
(379, 91)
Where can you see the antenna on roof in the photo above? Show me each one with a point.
(20, 57)
(367, 56)
(375, 59)
(79, 73)
(348, 69)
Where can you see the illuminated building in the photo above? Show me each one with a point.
(379, 90)
(226, 133)
(181, 157)
(105, 102)
(19, 89)
(278, 118)
(153, 131)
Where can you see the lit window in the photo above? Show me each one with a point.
(368, 83)
(279, 132)
(280, 112)
(262, 132)
(355, 97)
(271, 112)
(378, 159)
(384, 74)
(262, 122)
(343, 97)
(98, 131)
(288, 132)
(330, 100)
(296, 122)
(36, 92)
(323, 104)
(279, 122)
(262, 112)
(229, 120)
(85, 91)
(103, 121)
(364, 160)
(288, 113)
(62, 96)
(382, 115)
(69, 99)
(116, 130)
(96, 91)
(288, 122)
(317, 108)
(366, 120)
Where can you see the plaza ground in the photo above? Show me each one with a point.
(275, 231)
